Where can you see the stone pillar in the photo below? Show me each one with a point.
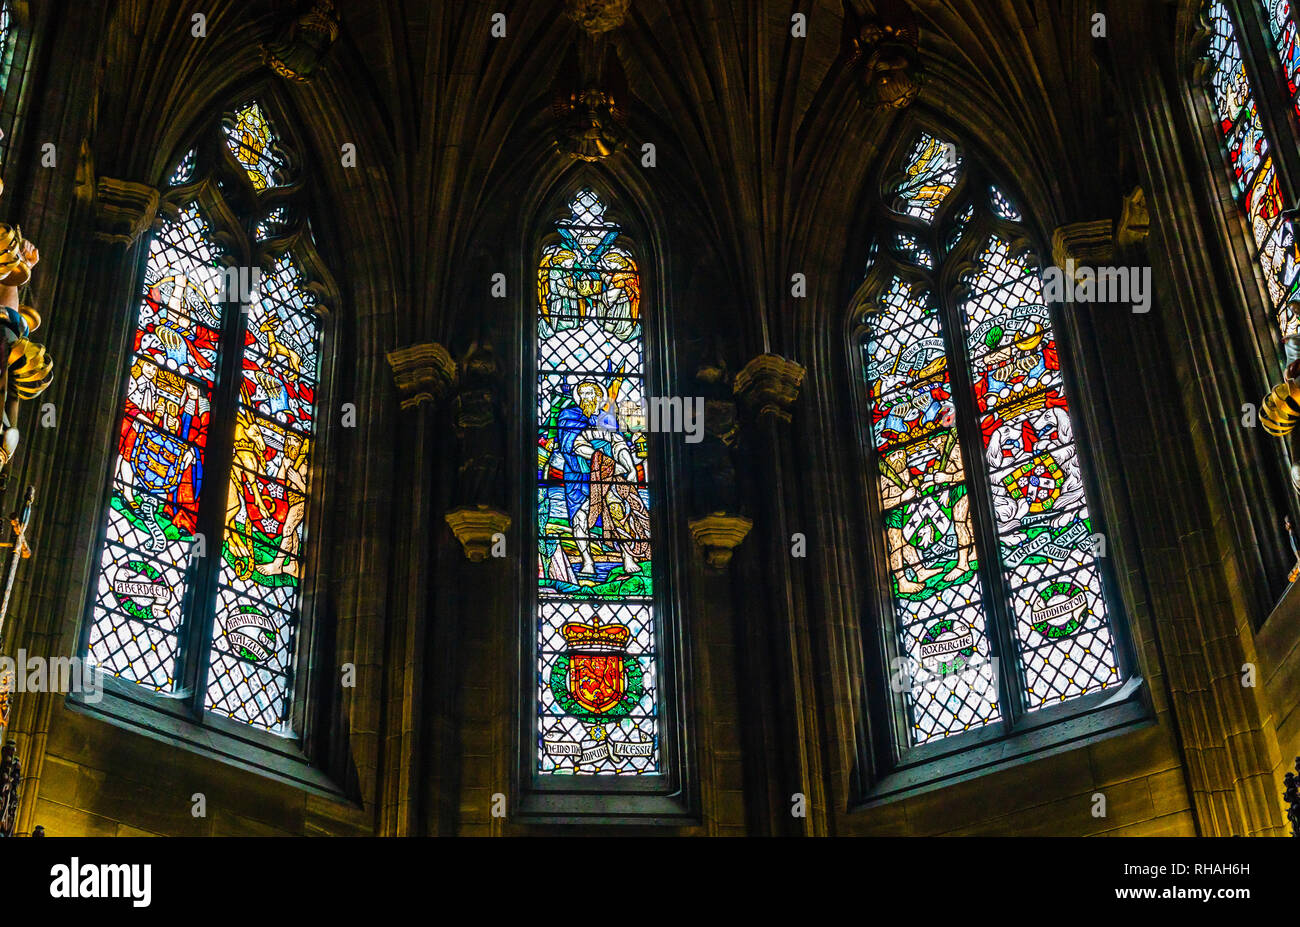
(424, 375)
(781, 726)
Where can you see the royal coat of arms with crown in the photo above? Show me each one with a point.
(596, 680)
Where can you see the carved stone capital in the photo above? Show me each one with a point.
(423, 373)
(1134, 221)
(1087, 244)
(597, 16)
(718, 535)
(123, 209)
(475, 528)
(769, 385)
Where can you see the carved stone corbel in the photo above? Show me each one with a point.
(301, 47)
(718, 535)
(424, 373)
(480, 446)
(769, 385)
(1086, 244)
(123, 209)
(476, 528)
(885, 53)
(597, 16)
(1134, 222)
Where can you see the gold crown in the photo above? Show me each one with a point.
(610, 638)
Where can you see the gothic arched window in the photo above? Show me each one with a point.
(597, 698)
(202, 560)
(997, 606)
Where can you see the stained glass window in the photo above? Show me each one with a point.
(1282, 29)
(162, 600)
(145, 563)
(597, 700)
(184, 172)
(253, 143)
(970, 583)
(261, 569)
(1249, 155)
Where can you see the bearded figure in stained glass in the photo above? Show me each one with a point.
(600, 477)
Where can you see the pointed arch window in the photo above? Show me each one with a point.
(997, 605)
(203, 557)
(597, 640)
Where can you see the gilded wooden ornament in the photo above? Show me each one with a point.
(28, 369)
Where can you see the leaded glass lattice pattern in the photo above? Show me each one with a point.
(144, 562)
(1249, 155)
(1040, 506)
(933, 563)
(987, 529)
(597, 666)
